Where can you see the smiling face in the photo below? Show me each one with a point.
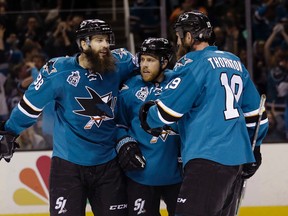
(150, 68)
(98, 54)
(100, 45)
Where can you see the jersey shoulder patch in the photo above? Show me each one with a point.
(56, 65)
(122, 55)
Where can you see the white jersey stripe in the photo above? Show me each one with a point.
(254, 124)
(31, 105)
(168, 110)
(252, 113)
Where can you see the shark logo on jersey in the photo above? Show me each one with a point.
(120, 52)
(97, 108)
(74, 78)
(182, 62)
(164, 134)
(49, 67)
(142, 93)
(124, 87)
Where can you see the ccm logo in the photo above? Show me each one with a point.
(116, 207)
(181, 200)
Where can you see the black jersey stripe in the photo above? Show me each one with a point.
(254, 118)
(166, 116)
(28, 109)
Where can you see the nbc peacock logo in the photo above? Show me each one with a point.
(35, 184)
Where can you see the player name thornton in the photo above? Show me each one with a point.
(220, 62)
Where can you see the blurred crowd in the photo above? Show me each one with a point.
(33, 31)
(269, 21)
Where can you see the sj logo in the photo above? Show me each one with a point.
(139, 206)
(60, 204)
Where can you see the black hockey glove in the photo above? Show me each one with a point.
(250, 169)
(129, 154)
(143, 119)
(8, 143)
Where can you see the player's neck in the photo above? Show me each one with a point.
(201, 46)
(83, 61)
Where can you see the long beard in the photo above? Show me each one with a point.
(100, 65)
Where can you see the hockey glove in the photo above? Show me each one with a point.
(129, 154)
(8, 144)
(250, 169)
(143, 119)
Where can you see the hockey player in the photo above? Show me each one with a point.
(216, 104)
(156, 175)
(85, 89)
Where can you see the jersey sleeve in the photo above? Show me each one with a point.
(174, 103)
(250, 107)
(126, 63)
(44, 89)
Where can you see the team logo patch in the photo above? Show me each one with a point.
(120, 52)
(142, 93)
(163, 136)
(182, 62)
(49, 67)
(74, 78)
(124, 87)
(97, 108)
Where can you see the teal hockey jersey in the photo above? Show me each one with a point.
(84, 125)
(215, 103)
(161, 153)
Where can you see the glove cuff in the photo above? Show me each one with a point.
(123, 141)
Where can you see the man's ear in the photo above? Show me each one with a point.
(189, 37)
(83, 44)
(165, 64)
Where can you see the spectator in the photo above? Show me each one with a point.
(282, 89)
(266, 16)
(3, 76)
(186, 5)
(274, 55)
(32, 31)
(144, 20)
(276, 76)
(59, 43)
(259, 66)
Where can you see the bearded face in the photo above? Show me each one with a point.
(101, 64)
(183, 46)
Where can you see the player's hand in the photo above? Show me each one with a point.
(8, 143)
(250, 169)
(129, 154)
